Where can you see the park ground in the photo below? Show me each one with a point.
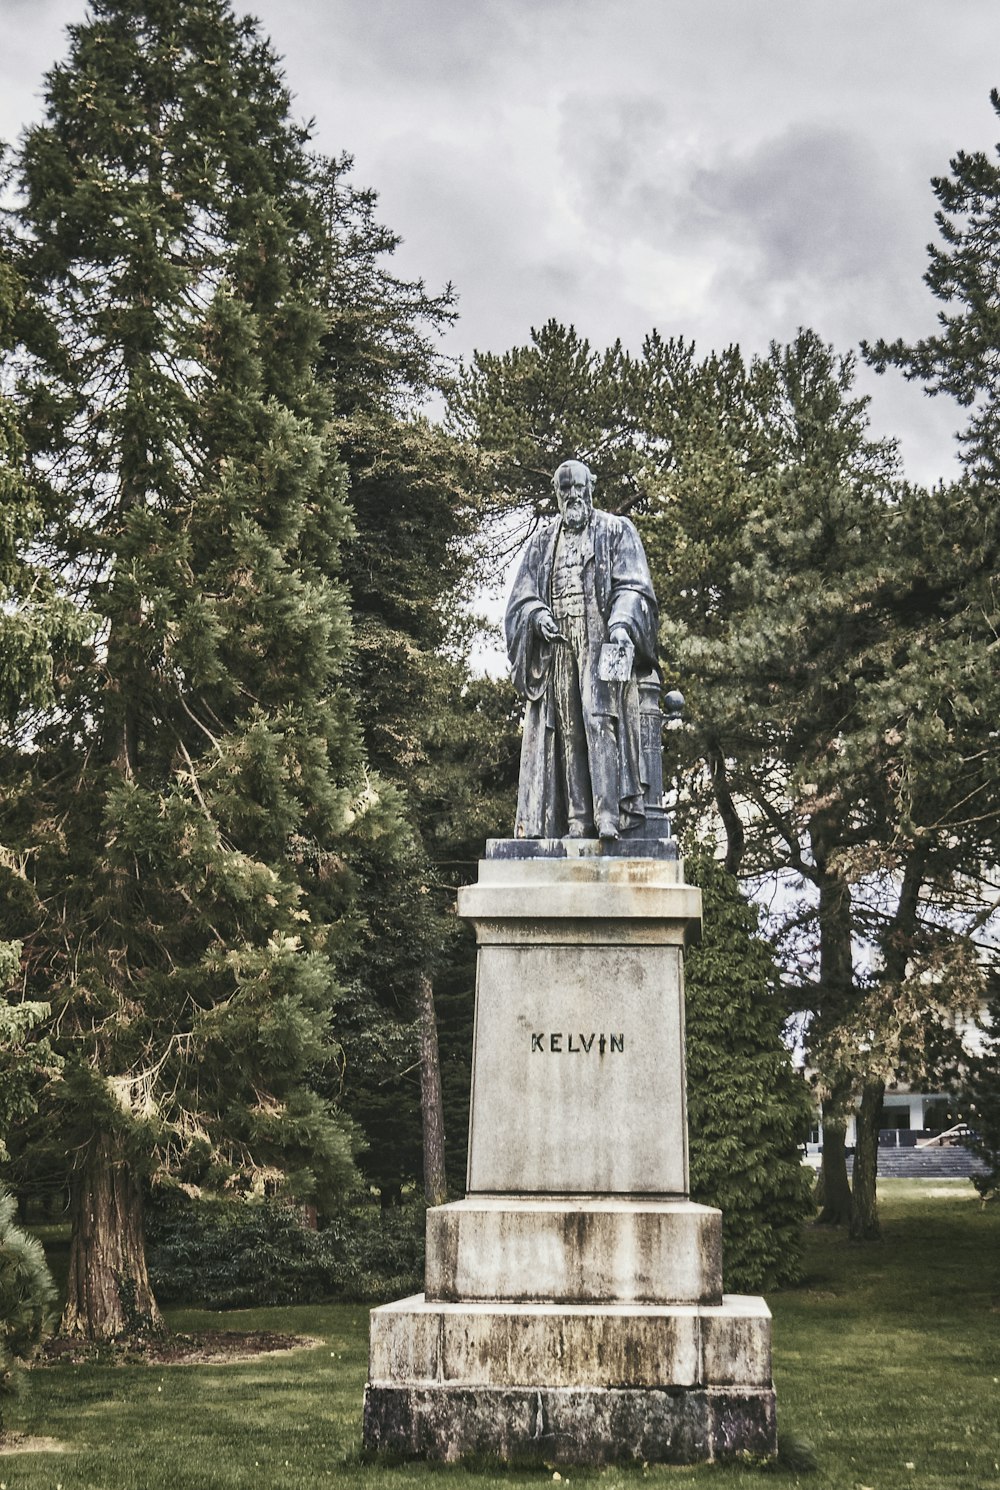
(886, 1362)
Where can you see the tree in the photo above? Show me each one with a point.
(187, 799)
(982, 1093)
(838, 735)
(410, 570)
(748, 1109)
(961, 358)
(27, 1296)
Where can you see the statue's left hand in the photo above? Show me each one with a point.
(620, 637)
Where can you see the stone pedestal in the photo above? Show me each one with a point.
(573, 1307)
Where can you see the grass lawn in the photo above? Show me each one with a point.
(887, 1361)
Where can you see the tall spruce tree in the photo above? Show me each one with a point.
(410, 569)
(187, 801)
(35, 621)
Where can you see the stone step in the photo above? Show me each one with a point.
(929, 1163)
(581, 1250)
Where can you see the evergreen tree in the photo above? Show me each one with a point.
(982, 1096)
(410, 570)
(188, 799)
(27, 1296)
(961, 359)
(836, 722)
(748, 1109)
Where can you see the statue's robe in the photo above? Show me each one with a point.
(619, 592)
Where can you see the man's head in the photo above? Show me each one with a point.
(574, 487)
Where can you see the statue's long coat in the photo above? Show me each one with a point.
(623, 594)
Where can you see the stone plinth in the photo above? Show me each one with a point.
(576, 1251)
(573, 1308)
(578, 1052)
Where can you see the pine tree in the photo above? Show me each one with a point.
(410, 571)
(838, 674)
(196, 783)
(961, 359)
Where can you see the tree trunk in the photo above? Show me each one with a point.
(833, 1187)
(108, 1291)
(431, 1104)
(731, 820)
(864, 1211)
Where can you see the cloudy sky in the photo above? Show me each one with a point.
(723, 169)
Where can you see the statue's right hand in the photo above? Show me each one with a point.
(545, 624)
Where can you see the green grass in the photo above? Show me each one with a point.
(888, 1356)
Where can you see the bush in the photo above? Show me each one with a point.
(27, 1296)
(240, 1254)
(748, 1108)
(983, 1109)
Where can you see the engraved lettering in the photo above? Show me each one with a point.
(555, 1042)
(573, 1049)
(617, 1042)
(536, 1042)
(601, 1044)
(587, 1042)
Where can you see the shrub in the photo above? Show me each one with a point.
(27, 1296)
(239, 1254)
(983, 1096)
(748, 1108)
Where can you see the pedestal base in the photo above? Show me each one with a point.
(574, 1310)
(571, 1385)
(576, 1250)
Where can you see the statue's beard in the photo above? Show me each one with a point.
(576, 518)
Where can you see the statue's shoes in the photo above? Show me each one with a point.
(607, 828)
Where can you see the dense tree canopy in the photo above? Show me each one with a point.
(185, 801)
(837, 726)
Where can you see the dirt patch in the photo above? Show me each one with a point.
(24, 1443)
(208, 1348)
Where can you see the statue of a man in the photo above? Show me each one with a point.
(581, 624)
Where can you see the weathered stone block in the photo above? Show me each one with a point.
(736, 1342)
(578, 1058)
(570, 1425)
(576, 1250)
(574, 1309)
(416, 1341)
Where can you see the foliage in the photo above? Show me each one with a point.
(981, 1097)
(240, 1255)
(748, 1109)
(27, 1296)
(191, 790)
(410, 569)
(836, 658)
(961, 358)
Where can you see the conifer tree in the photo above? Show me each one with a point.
(410, 570)
(961, 358)
(187, 800)
(27, 1297)
(982, 1093)
(838, 707)
(748, 1109)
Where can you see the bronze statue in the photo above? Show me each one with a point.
(581, 628)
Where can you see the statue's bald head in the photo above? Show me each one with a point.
(570, 473)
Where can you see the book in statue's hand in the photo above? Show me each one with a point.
(615, 662)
